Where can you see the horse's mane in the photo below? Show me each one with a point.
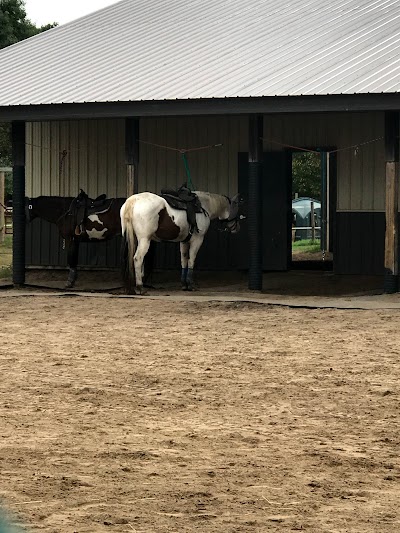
(49, 197)
(214, 204)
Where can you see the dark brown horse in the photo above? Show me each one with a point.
(79, 219)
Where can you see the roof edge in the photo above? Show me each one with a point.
(206, 106)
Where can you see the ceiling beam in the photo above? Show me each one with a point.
(213, 106)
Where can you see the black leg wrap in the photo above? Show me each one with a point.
(189, 279)
(184, 274)
(390, 282)
(72, 277)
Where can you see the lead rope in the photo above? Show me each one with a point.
(189, 183)
(183, 152)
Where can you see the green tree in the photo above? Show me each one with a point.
(14, 24)
(306, 170)
(5, 145)
(14, 27)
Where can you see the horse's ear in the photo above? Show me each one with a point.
(82, 194)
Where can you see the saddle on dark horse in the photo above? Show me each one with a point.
(184, 199)
(83, 206)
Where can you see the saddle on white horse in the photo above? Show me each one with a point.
(184, 199)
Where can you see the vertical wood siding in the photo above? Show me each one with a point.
(95, 161)
(94, 158)
(361, 172)
(213, 169)
(95, 153)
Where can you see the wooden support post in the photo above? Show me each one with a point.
(131, 155)
(391, 280)
(18, 158)
(312, 222)
(255, 201)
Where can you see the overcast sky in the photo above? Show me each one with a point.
(42, 12)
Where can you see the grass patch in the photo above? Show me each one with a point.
(306, 245)
(7, 244)
(5, 272)
(6, 257)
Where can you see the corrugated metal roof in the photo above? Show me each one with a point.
(184, 49)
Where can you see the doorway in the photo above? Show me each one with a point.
(277, 195)
(312, 209)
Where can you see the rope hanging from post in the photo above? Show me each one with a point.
(183, 152)
(189, 183)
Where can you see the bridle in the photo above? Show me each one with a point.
(231, 223)
(28, 210)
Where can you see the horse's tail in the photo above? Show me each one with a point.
(128, 249)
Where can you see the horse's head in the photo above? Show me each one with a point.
(82, 197)
(231, 223)
(50, 208)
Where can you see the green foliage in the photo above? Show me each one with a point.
(7, 244)
(14, 24)
(306, 169)
(5, 273)
(5, 145)
(8, 188)
(6, 259)
(305, 242)
(306, 245)
(14, 27)
(6, 264)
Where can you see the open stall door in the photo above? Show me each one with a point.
(276, 211)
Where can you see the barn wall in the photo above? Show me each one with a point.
(361, 173)
(94, 159)
(95, 162)
(95, 153)
(359, 228)
(213, 170)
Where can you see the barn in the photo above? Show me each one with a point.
(108, 102)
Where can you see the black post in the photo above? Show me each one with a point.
(391, 280)
(18, 157)
(132, 154)
(255, 201)
(324, 206)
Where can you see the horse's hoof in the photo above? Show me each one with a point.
(184, 287)
(129, 293)
(141, 291)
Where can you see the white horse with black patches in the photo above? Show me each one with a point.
(147, 216)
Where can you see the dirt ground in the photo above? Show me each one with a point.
(135, 415)
(293, 283)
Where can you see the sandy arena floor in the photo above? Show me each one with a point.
(135, 415)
